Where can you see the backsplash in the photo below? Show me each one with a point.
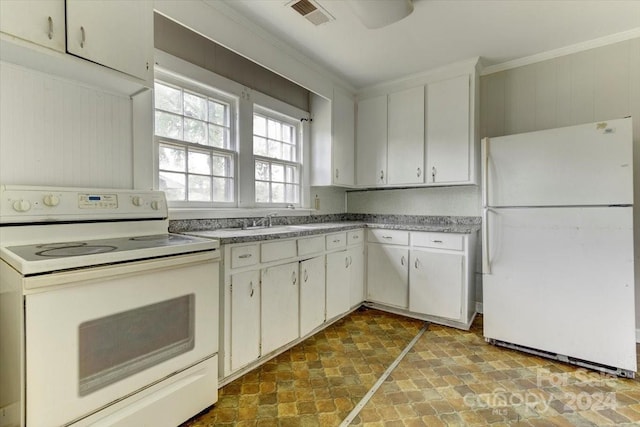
(177, 226)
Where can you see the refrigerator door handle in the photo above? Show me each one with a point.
(486, 261)
(485, 171)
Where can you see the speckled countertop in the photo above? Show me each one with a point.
(238, 235)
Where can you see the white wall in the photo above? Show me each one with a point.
(57, 132)
(593, 85)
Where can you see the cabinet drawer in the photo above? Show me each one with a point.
(274, 251)
(242, 256)
(354, 237)
(311, 245)
(438, 240)
(390, 237)
(336, 241)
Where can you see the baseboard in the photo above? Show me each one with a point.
(479, 307)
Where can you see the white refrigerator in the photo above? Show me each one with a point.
(558, 262)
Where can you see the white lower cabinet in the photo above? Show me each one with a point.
(427, 275)
(280, 306)
(338, 278)
(388, 275)
(245, 319)
(356, 275)
(312, 294)
(435, 283)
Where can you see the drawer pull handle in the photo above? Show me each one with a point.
(306, 276)
(245, 256)
(402, 260)
(251, 294)
(387, 237)
(419, 172)
(336, 241)
(437, 241)
(416, 263)
(84, 37)
(346, 262)
(50, 34)
(356, 237)
(382, 176)
(294, 279)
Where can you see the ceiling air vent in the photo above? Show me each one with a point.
(312, 11)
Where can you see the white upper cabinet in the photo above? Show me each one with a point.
(68, 38)
(371, 141)
(333, 139)
(450, 140)
(37, 21)
(115, 33)
(406, 137)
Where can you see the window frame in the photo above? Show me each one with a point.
(298, 163)
(188, 85)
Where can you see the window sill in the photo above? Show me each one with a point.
(208, 213)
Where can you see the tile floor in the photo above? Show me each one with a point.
(449, 377)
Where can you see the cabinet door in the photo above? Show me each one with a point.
(406, 137)
(245, 318)
(448, 133)
(338, 277)
(40, 22)
(280, 304)
(356, 272)
(388, 275)
(435, 283)
(115, 33)
(312, 294)
(371, 141)
(343, 141)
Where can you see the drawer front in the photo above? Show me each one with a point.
(354, 237)
(336, 241)
(242, 256)
(438, 240)
(311, 245)
(274, 251)
(390, 237)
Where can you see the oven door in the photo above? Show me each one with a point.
(96, 336)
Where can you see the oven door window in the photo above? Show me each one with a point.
(118, 346)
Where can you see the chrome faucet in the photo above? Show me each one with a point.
(265, 221)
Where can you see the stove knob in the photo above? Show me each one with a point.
(51, 200)
(21, 205)
(137, 201)
(155, 205)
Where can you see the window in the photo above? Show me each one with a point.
(277, 159)
(196, 152)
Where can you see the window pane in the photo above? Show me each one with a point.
(287, 133)
(218, 113)
(172, 158)
(262, 171)
(277, 172)
(259, 126)
(219, 137)
(222, 190)
(221, 165)
(275, 149)
(168, 125)
(173, 184)
(199, 188)
(274, 130)
(199, 162)
(292, 193)
(168, 98)
(260, 146)
(262, 192)
(277, 193)
(195, 106)
(195, 131)
(291, 174)
(288, 152)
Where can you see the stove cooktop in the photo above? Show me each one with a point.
(48, 257)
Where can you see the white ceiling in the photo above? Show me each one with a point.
(439, 32)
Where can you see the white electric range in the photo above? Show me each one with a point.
(107, 319)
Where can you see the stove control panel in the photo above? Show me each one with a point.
(28, 204)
